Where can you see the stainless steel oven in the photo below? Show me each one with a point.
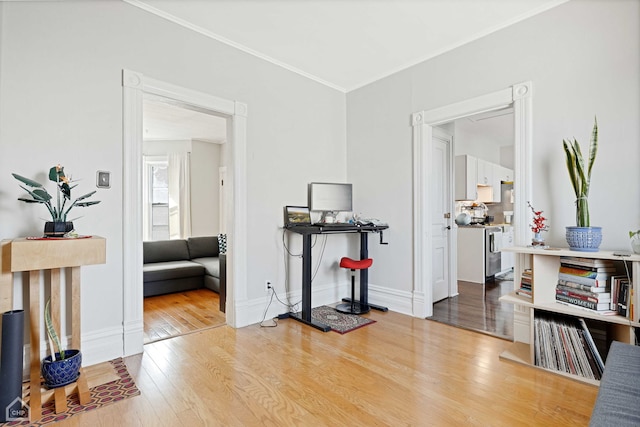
(492, 255)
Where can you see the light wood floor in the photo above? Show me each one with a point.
(478, 309)
(181, 313)
(400, 371)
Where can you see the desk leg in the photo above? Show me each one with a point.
(305, 315)
(364, 276)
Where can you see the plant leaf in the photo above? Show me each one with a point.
(27, 181)
(53, 335)
(593, 147)
(89, 203)
(86, 196)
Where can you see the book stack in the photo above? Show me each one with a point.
(564, 343)
(525, 284)
(586, 283)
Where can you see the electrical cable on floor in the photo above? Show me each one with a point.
(264, 315)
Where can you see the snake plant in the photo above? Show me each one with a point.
(580, 173)
(54, 341)
(39, 194)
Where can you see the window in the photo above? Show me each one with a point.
(157, 198)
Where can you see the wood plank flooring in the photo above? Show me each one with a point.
(400, 371)
(181, 313)
(477, 309)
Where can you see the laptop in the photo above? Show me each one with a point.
(295, 216)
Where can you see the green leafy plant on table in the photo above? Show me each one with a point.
(39, 194)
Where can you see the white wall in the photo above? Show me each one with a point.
(583, 58)
(205, 198)
(60, 79)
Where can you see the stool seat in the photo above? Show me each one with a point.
(355, 264)
(354, 307)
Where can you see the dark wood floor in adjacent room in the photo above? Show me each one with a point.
(477, 308)
(181, 313)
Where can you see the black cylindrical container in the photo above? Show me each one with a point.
(11, 363)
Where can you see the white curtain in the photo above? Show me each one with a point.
(179, 196)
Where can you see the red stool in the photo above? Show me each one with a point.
(354, 307)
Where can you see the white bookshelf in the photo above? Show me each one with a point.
(545, 264)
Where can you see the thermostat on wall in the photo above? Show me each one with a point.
(103, 179)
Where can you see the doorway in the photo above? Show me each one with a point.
(483, 152)
(182, 150)
(423, 122)
(135, 86)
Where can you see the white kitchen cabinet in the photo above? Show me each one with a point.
(471, 247)
(508, 258)
(484, 173)
(466, 168)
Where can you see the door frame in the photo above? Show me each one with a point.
(520, 96)
(135, 85)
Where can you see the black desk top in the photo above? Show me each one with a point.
(335, 228)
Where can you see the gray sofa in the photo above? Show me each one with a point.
(618, 401)
(181, 265)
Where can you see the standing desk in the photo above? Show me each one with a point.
(306, 231)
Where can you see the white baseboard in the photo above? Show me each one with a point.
(254, 311)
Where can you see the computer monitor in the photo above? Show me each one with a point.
(330, 197)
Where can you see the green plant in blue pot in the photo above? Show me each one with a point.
(582, 236)
(62, 367)
(60, 207)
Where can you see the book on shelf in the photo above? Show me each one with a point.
(589, 296)
(591, 305)
(608, 269)
(598, 283)
(586, 273)
(587, 262)
(587, 288)
(525, 293)
(623, 298)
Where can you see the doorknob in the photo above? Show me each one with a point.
(448, 227)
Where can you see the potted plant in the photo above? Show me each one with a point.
(582, 236)
(59, 225)
(62, 367)
(635, 241)
(537, 227)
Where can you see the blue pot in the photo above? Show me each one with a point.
(58, 373)
(584, 239)
(57, 229)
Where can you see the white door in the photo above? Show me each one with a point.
(440, 206)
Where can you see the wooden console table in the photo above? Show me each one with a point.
(51, 256)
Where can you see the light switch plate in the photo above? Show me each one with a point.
(103, 179)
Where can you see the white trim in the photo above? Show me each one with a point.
(221, 39)
(134, 86)
(520, 95)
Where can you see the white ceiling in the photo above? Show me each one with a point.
(345, 44)
(162, 121)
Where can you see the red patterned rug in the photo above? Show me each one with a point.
(101, 395)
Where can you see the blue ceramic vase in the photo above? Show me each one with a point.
(58, 373)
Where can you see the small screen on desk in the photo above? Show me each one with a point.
(330, 197)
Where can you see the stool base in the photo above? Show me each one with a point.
(373, 306)
(353, 308)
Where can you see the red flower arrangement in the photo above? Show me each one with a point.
(538, 220)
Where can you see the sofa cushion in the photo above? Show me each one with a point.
(201, 247)
(211, 265)
(165, 250)
(171, 270)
